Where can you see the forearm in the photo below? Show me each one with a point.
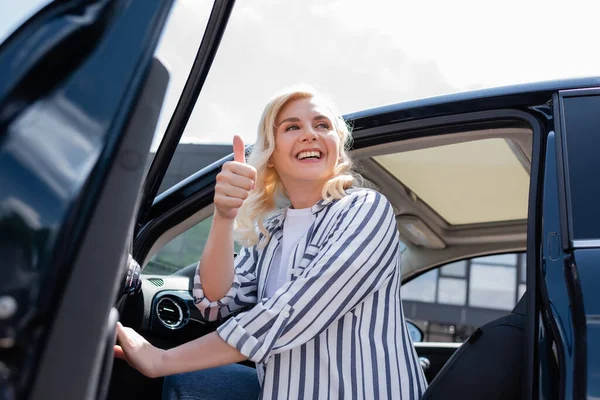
(216, 265)
(208, 351)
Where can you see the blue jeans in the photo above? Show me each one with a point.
(232, 381)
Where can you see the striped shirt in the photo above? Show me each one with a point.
(335, 329)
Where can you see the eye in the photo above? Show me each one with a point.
(323, 125)
(291, 128)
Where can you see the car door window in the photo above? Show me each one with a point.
(581, 123)
(449, 302)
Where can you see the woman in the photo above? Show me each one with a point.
(319, 269)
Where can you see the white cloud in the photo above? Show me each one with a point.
(270, 45)
(477, 43)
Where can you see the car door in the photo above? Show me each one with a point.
(79, 102)
(569, 280)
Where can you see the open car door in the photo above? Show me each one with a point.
(80, 97)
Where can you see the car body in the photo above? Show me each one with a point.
(77, 113)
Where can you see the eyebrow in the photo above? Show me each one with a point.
(294, 119)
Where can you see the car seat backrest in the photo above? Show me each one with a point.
(489, 365)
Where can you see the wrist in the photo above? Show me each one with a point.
(219, 218)
(160, 366)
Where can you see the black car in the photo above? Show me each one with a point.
(489, 186)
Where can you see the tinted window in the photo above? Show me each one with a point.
(582, 130)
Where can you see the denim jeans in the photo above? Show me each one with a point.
(232, 381)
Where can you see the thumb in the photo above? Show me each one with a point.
(239, 153)
(119, 353)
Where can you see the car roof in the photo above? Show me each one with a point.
(515, 95)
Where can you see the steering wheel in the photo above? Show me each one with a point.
(131, 284)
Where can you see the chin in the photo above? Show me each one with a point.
(314, 177)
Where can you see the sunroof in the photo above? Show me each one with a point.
(466, 183)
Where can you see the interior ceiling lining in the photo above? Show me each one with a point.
(459, 238)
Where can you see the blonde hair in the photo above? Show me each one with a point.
(269, 192)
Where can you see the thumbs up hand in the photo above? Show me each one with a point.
(234, 182)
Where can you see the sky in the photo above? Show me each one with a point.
(362, 54)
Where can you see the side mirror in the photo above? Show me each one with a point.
(416, 334)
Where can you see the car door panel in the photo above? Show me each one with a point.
(100, 262)
(78, 115)
(577, 127)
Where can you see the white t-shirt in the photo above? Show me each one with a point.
(296, 224)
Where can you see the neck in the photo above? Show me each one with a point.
(304, 194)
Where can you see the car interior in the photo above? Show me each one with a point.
(459, 192)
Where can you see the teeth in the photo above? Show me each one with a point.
(307, 154)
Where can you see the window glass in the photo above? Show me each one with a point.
(499, 259)
(452, 291)
(582, 130)
(449, 302)
(182, 251)
(492, 286)
(422, 288)
(457, 269)
(466, 183)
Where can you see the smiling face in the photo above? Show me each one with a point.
(307, 146)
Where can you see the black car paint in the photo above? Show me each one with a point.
(554, 292)
(56, 202)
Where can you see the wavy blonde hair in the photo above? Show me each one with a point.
(269, 194)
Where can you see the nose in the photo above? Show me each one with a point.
(309, 135)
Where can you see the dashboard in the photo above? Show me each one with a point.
(169, 312)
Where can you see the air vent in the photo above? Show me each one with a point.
(158, 282)
(170, 313)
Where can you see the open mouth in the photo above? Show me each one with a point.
(309, 155)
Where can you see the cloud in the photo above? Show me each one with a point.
(269, 45)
